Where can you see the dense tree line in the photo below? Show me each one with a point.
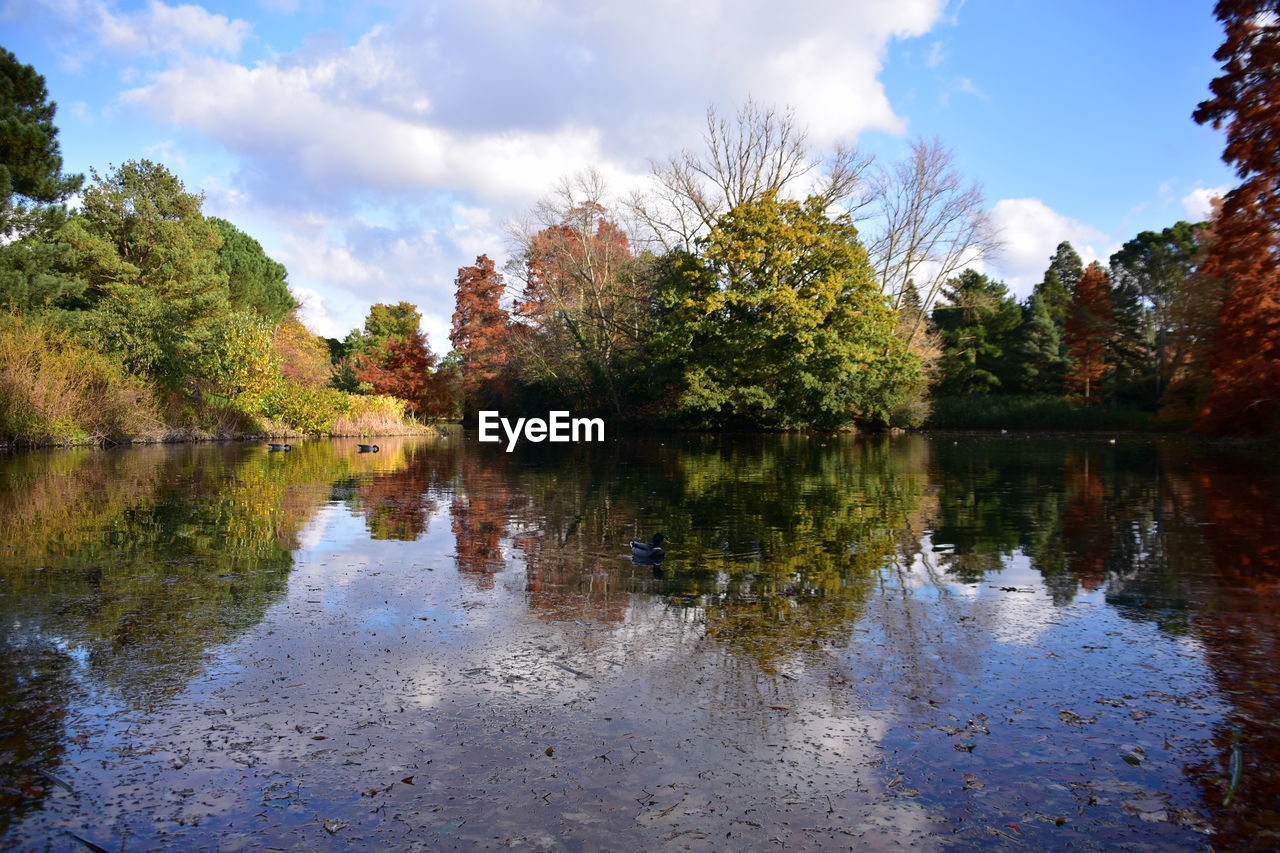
(136, 314)
(757, 283)
(732, 302)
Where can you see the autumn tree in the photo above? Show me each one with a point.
(1088, 334)
(304, 357)
(382, 323)
(1245, 359)
(402, 366)
(930, 225)
(583, 312)
(481, 335)
(922, 340)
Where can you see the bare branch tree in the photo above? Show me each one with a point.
(931, 226)
(761, 150)
(580, 301)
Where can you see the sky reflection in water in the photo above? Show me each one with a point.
(974, 642)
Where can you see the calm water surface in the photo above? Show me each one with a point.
(999, 642)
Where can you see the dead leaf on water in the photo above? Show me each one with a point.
(1071, 718)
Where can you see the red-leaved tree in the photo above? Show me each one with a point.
(481, 334)
(403, 368)
(1245, 358)
(583, 310)
(1088, 331)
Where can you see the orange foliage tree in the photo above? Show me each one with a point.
(583, 311)
(481, 334)
(304, 358)
(1245, 359)
(403, 367)
(1088, 332)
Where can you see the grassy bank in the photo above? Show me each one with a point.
(55, 390)
(1035, 413)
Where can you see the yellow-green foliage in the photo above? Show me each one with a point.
(307, 410)
(371, 415)
(326, 411)
(238, 358)
(54, 390)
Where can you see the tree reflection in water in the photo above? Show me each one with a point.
(896, 591)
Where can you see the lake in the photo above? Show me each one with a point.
(993, 642)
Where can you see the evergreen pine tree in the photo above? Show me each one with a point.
(1039, 351)
(32, 190)
(977, 328)
(1065, 269)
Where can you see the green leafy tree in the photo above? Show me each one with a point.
(30, 161)
(150, 262)
(387, 321)
(978, 326)
(32, 190)
(254, 281)
(238, 359)
(1130, 350)
(1150, 273)
(779, 323)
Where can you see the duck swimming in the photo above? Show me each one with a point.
(366, 448)
(276, 448)
(647, 550)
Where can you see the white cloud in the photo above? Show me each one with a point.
(168, 152)
(339, 267)
(155, 29)
(1030, 231)
(423, 104)
(937, 54)
(300, 122)
(1198, 203)
(456, 117)
(314, 313)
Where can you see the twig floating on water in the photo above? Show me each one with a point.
(576, 672)
(87, 843)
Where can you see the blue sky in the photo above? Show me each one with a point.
(375, 147)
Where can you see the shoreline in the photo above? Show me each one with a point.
(442, 429)
(183, 436)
